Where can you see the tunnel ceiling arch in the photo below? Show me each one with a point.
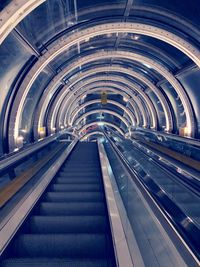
(59, 56)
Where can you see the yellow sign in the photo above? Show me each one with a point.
(104, 98)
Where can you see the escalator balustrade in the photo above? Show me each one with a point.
(69, 226)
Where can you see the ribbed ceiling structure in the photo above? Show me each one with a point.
(57, 58)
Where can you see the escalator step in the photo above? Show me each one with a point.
(78, 208)
(80, 174)
(73, 197)
(80, 171)
(61, 245)
(76, 188)
(46, 262)
(68, 224)
(85, 166)
(82, 168)
(78, 181)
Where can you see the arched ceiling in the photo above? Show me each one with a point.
(57, 57)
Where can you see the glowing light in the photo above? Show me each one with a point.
(53, 129)
(100, 123)
(187, 131)
(147, 65)
(83, 98)
(125, 99)
(20, 138)
(136, 37)
(23, 130)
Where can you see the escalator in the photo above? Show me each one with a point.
(178, 201)
(69, 226)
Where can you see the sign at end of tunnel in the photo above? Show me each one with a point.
(104, 98)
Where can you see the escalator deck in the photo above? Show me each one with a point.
(69, 226)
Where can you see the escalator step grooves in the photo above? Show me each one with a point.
(68, 224)
(61, 245)
(77, 208)
(69, 227)
(74, 197)
(27, 262)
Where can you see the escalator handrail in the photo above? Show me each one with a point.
(12, 159)
(8, 191)
(19, 213)
(192, 182)
(121, 248)
(181, 139)
(185, 226)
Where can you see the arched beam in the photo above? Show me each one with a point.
(115, 103)
(13, 13)
(66, 91)
(165, 73)
(83, 89)
(133, 114)
(105, 122)
(143, 79)
(120, 27)
(101, 55)
(91, 89)
(135, 103)
(106, 111)
(70, 94)
(39, 116)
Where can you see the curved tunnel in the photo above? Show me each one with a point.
(99, 133)
(144, 56)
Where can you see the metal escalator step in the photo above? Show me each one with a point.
(46, 262)
(78, 181)
(61, 245)
(77, 208)
(80, 168)
(76, 188)
(79, 159)
(73, 197)
(68, 224)
(86, 165)
(80, 171)
(82, 175)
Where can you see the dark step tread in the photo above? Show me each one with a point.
(74, 197)
(68, 224)
(82, 175)
(78, 181)
(46, 262)
(76, 187)
(61, 245)
(75, 208)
